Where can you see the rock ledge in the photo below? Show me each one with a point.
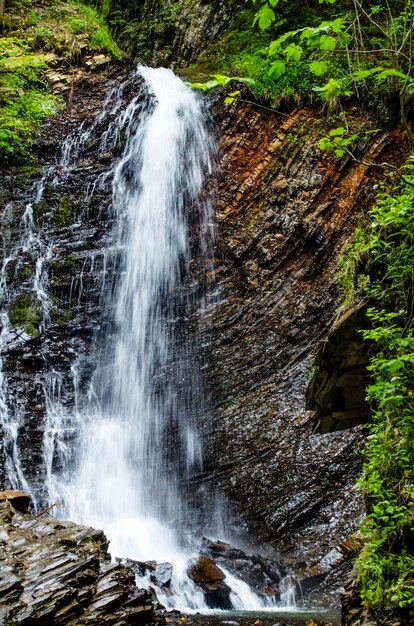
(59, 572)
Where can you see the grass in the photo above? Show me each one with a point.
(35, 36)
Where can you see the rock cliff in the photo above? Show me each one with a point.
(61, 573)
(284, 212)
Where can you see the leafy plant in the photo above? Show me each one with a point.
(29, 34)
(383, 256)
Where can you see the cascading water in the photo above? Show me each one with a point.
(138, 441)
(121, 457)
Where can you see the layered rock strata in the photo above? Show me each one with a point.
(285, 213)
(58, 573)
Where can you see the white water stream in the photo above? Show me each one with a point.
(138, 443)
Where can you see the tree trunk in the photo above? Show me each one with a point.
(2, 3)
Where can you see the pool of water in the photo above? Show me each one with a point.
(295, 617)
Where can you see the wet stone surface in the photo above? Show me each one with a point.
(58, 572)
(277, 618)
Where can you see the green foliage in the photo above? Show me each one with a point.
(337, 142)
(86, 20)
(219, 80)
(23, 102)
(31, 32)
(332, 50)
(25, 312)
(379, 267)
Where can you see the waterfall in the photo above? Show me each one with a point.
(121, 455)
(138, 441)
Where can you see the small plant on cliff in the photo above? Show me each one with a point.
(383, 255)
(23, 103)
(33, 36)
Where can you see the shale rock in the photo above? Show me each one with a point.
(210, 578)
(19, 499)
(262, 574)
(59, 572)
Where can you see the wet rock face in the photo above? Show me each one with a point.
(173, 33)
(66, 260)
(285, 212)
(58, 572)
(262, 575)
(337, 390)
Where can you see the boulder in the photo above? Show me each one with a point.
(19, 499)
(204, 570)
(162, 574)
(210, 578)
(262, 574)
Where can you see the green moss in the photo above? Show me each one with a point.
(64, 318)
(39, 210)
(63, 214)
(25, 311)
(60, 317)
(24, 103)
(30, 32)
(65, 267)
(24, 272)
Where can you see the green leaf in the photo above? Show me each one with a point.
(325, 144)
(335, 132)
(396, 73)
(202, 86)
(231, 97)
(265, 16)
(362, 74)
(293, 51)
(338, 25)
(274, 48)
(318, 68)
(344, 38)
(327, 43)
(221, 79)
(277, 69)
(394, 365)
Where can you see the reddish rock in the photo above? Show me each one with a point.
(204, 570)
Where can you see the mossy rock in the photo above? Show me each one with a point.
(61, 318)
(39, 210)
(65, 266)
(64, 213)
(26, 311)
